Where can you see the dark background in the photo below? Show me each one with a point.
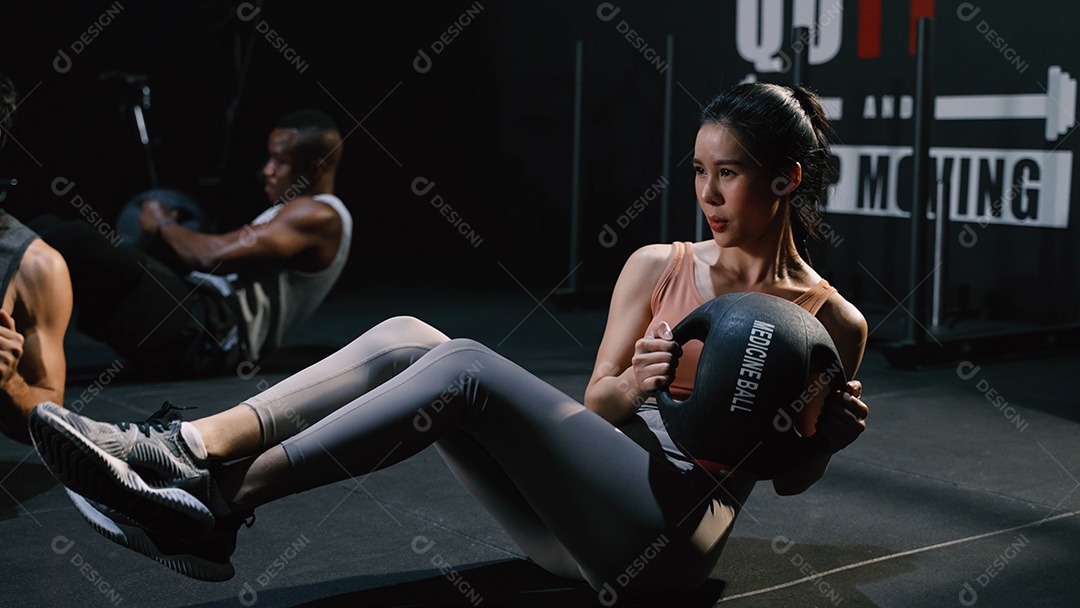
(491, 125)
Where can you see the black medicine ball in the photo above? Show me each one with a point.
(763, 362)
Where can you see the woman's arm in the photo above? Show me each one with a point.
(614, 390)
(843, 415)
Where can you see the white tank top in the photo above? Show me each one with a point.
(274, 301)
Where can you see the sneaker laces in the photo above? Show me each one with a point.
(157, 421)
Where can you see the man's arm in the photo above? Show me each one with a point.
(32, 364)
(304, 234)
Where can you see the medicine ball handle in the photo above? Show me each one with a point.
(699, 325)
(695, 326)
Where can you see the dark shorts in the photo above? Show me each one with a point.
(146, 311)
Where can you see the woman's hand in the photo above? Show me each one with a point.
(843, 417)
(655, 358)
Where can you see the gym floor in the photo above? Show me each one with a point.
(963, 491)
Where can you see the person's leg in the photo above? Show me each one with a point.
(304, 398)
(603, 497)
(126, 299)
(482, 476)
(163, 465)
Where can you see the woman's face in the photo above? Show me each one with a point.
(733, 190)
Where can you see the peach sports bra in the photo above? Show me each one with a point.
(676, 295)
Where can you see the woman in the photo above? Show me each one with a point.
(583, 498)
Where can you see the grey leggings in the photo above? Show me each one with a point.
(578, 495)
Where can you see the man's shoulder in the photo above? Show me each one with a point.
(41, 259)
(310, 211)
(329, 201)
(41, 280)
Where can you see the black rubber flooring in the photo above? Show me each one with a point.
(950, 497)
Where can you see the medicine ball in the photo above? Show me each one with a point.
(188, 214)
(763, 362)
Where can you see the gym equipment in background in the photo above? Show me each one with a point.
(188, 214)
(133, 91)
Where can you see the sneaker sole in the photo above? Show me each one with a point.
(103, 478)
(136, 539)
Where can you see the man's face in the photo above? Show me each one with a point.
(281, 171)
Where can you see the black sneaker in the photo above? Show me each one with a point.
(145, 470)
(205, 558)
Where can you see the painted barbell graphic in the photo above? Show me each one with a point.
(1057, 106)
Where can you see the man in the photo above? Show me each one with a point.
(246, 288)
(34, 314)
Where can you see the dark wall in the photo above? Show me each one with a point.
(353, 60)
(489, 124)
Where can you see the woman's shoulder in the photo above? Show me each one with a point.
(847, 327)
(643, 271)
(650, 260)
(657, 253)
(843, 312)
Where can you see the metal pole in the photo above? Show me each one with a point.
(941, 259)
(575, 176)
(669, 100)
(800, 61)
(144, 138)
(924, 113)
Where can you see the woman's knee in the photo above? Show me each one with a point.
(392, 346)
(464, 351)
(406, 329)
